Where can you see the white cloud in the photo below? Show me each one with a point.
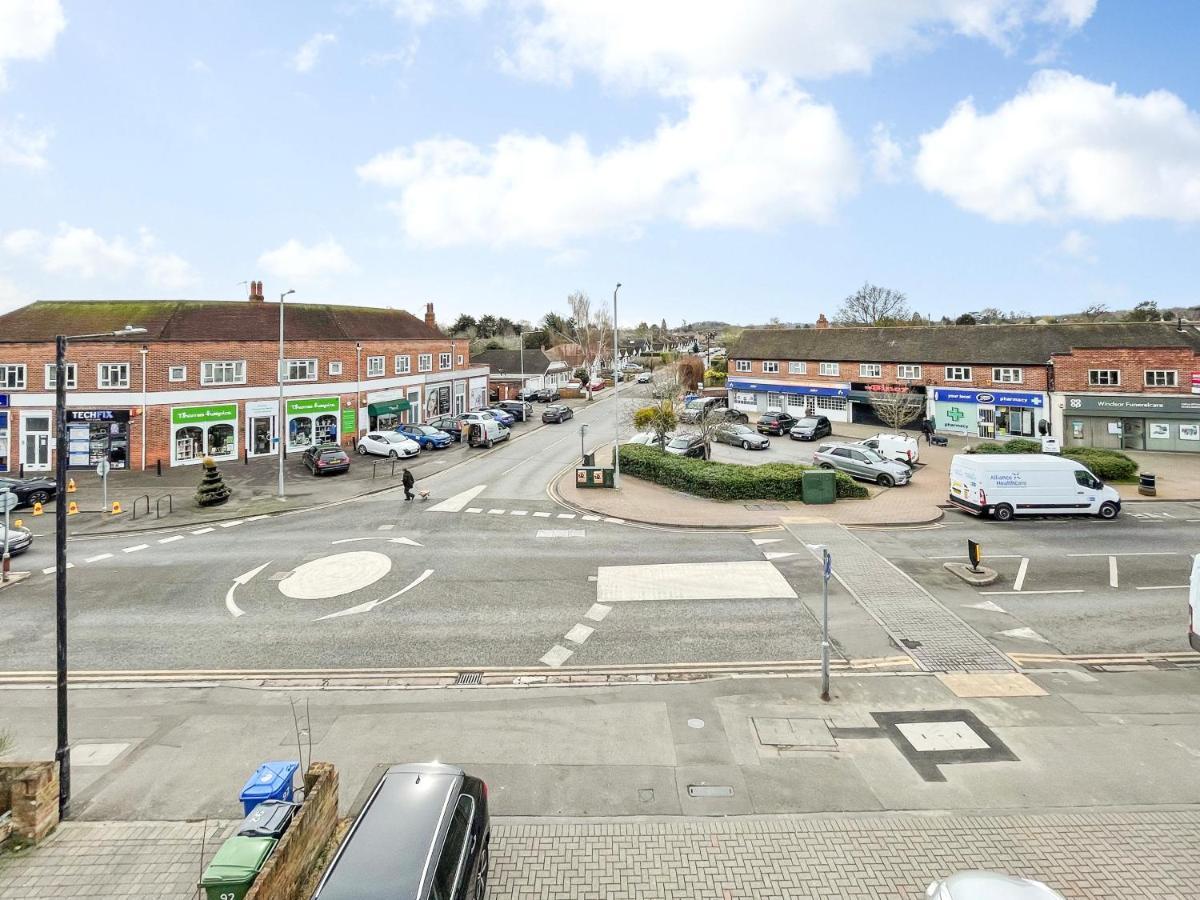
(419, 12)
(1077, 245)
(661, 42)
(886, 154)
(306, 57)
(28, 30)
(22, 147)
(293, 261)
(1069, 147)
(744, 155)
(403, 56)
(84, 253)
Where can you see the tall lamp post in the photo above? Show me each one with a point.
(62, 750)
(281, 425)
(616, 399)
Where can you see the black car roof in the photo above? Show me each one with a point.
(389, 853)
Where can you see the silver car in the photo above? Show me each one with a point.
(741, 436)
(861, 462)
(15, 540)
(989, 886)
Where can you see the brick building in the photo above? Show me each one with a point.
(203, 379)
(1129, 385)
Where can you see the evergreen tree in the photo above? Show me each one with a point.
(212, 491)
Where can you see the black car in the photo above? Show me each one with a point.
(775, 423)
(452, 425)
(557, 414)
(518, 409)
(423, 833)
(30, 490)
(548, 395)
(810, 428)
(325, 459)
(528, 394)
(691, 445)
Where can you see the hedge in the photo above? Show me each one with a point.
(1107, 465)
(725, 481)
(1016, 445)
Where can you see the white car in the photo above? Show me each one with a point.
(989, 886)
(388, 443)
(645, 377)
(647, 438)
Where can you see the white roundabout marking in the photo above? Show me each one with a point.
(332, 576)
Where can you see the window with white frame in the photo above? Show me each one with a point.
(958, 373)
(770, 366)
(831, 404)
(12, 376)
(335, 367)
(1006, 375)
(300, 370)
(797, 368)
(72, 373)
(830, 369)
(443, 360)
(908, 372)
(176, 374)
(1161, 377)
(744, 399)
(1104, 377)
(375, 366)
(796, 403)
(425, 362)
(741, 365)
(112, 375)
(229, 371)
(870, 370)
(403, 365)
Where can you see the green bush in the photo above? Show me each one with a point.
(1016, 445)
(1107, 465)
(725, 481)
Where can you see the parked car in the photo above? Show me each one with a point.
(325, 459)
(989, 886)
(649, 439)
(775, 423)
(901, 447)
(449, 425)
(15, 540)
(557, 413)
(597, 384)
(644, 377)
(426, 436)
(548, 395)
(395, 444)
(485, 431)
(811, 428)
(741, 436)
(862, 462)
(725, 414)
(698, 407)
(518, 409)
(499, 415)
(528, 394)
(30, 490)
(424, 832)
(686, 445)
(1012, 484)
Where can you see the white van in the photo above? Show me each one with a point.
(1008, 484)
(902, 448)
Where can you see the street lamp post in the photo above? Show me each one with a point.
(616, 399)
(280, 433)
(62, 750)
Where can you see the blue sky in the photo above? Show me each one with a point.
(723, 161)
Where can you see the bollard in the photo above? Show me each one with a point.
(70, 485)
(158, 467)
(116, 508)
(37, 509)
(72, 508)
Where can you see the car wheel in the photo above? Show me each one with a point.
(1003, 513)
(1108, 511)
(39, 497)
(885, 481)
(393, 455)
(362, 451)
(826, 466)
(481, 876)
(745, 445)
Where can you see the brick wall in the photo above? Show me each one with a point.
(1071, 371)
(1034, 378)
(303, 845)
(30, 791)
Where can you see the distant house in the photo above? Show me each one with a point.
(571, 354)
(508, 378)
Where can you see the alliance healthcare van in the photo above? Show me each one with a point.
(1008, 484)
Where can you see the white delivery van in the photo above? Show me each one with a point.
(1194, 605)
(1008, 484)
(903, 448)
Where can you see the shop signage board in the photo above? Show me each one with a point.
(1195, 385)
(313, 405)
(197, 415)
(4, 398)
(1134, 406)
(261, 408)
(988, 398)
(348, 424)
(806, 389)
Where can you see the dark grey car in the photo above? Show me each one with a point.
(741, 436)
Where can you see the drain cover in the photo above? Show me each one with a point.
(710, 790)
(469, 678)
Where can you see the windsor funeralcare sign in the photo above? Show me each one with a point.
(1171, 407)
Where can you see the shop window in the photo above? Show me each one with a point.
(1008, 376)
(425, 362)
(403, 365)
(12, 377)
(223, 372)
(300, 431)
(177, 373)
(958, 373)
(189, 443)
(775, 401)
(870, 370)
(112, 375)
(745, 399)
(460, 360)
(770, 367)
(52, 376)
(741, 365)
(797, 368)
(1161, 377)
(831, 404)
(220, 440)
(335, 368)
(908, 372)
(795, 402)
(301, 369)
(830, 369)
(1104, 377)
(326, 428)
(444, 360)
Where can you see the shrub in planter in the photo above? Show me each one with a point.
(1107, 465)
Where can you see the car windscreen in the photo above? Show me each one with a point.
(808, 422)
(427, 429)
(870, 454)
(695, 404)
(679, 443)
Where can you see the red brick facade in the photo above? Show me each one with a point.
(1033, 378)
(1071, 373)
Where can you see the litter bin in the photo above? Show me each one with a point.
(232, 872)
(272, 781)
(1148, 484)
(270, 818)
(818, 486)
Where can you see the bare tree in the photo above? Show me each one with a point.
(896, 407)
(874, 305)
(593, 332)
(1094, 311)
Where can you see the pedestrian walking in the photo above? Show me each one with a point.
(407, 480)
(927, 430)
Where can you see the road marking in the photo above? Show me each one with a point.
(614, 520)
(519, 512)
(135, 548)
(371, 604)
(1025, 634)
(1145, 553)
(541, 515)
(758, 542)
(202, 531)
(458, 501)
(989, 556)
(591, 518)
(388, 527)
(403, 540)
(566, 515)
(53, 569)
(172, 539)
(757, 580)
(986, 605)
(778, 555)
(495, 512)
(474, 509)
(259, 518)
(235, 610)
(232, 524)
(560, 533)
(1112, 571)
(98, 557)
(335, 575)
(556, 656)
(1021, 570)
(597, 612)
(1163, 587)
(1030, 593)
(579, 633)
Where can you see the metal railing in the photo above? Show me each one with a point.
(136, 500)
(158, 505)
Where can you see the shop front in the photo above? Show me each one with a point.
(896, 401)
(96, 435)
(200, 431)
(437, 400)
(4, 437)
(385, 415)
(795, 399)
(313, 420)
(479, 392)
(994, 415)
(260, 427)
(1133, 422)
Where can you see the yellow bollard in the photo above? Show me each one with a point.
(37, 509)
(70, 485)
(116, 508)
(18, 523)
(72, 508)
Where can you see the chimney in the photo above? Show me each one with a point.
(256, 292)
(430, 320)
(822, 322)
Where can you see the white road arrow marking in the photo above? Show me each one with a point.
(778, 555)
(458, 501)
(234, 609)
(758, 542)
(408, 541)
(371, 604)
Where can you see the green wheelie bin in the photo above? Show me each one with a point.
(233, 870)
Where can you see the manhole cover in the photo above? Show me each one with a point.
(710, 790)
(646, 795)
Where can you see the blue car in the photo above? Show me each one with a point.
(426, 435)
(499, 415)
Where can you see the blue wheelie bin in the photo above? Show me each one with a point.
(272, 781)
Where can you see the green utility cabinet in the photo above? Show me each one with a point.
(818, 486)
(232, 872)
(593, 477)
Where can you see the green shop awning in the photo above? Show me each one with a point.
(389, 408)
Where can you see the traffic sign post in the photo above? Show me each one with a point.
(826, 574)
(102, 468)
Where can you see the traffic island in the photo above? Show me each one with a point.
(975, 577)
